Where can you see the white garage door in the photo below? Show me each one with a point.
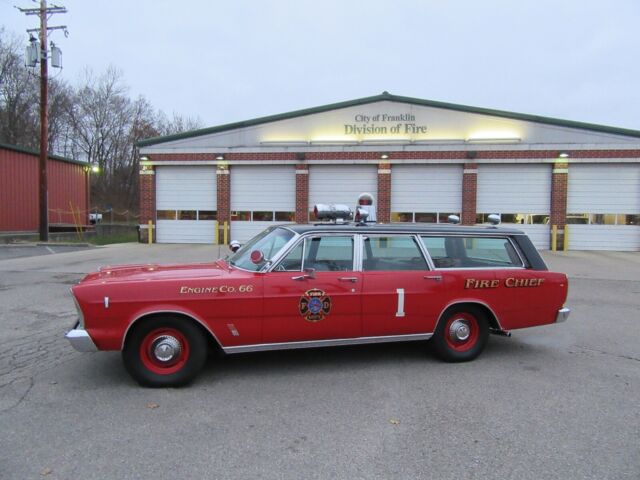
(521, 194)
(261, 196)
(603, 203)
(425, 193)
(185, 204)
(341, 184)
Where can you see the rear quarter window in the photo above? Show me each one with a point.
(471, 252)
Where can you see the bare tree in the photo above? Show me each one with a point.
(95, 121)
(18, 97)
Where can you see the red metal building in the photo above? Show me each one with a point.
(67, 187)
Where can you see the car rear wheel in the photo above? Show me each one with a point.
(165, 352)
(461, 334)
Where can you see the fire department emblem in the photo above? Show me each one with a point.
(315, 305)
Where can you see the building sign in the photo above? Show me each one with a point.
(384, 124)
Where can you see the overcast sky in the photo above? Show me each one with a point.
(236, 60)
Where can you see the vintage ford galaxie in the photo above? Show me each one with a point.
(300, 286)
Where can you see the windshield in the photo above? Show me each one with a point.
(268, 242)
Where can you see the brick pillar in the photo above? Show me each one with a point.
(383, 209)
(147, 187)
(559, 184)
(223, 197)
(469, 193)
(302, 193)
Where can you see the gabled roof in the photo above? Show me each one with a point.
(386, 96)
(16, 148)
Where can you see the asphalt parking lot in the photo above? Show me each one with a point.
(553, 402)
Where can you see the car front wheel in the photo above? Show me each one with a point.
(461, 334)
(165, 352)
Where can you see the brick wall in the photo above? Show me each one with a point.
(559, 185)
(147, 184)
(223, 192)
(383, 209)
(469, 193)
(302, 193)
(413, 155)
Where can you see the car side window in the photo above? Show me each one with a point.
(329, 253)
(387, 253)
(471, 252)
(322, 253)
(293, 261)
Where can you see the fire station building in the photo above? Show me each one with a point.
(422, 160)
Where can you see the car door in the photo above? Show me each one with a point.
(468, 266)
(313, 293)
(398, 289)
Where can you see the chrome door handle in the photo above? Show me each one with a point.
(437, 278)
(348, 279)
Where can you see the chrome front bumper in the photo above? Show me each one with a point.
(563, 314)
(80, 339)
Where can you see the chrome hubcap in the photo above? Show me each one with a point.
(459, 330)
(166, 348)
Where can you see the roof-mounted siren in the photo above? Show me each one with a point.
(335, 212)
(365, 209)
(234, 246)
(494, 219)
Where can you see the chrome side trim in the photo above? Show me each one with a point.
(262, 347)
(80, 340)
(179, 312)
(563, 314)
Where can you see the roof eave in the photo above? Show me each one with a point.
(385, 96)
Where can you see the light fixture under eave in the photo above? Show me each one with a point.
(144, 158)
(285, 143)
(386, 141)
(384, 156)
(334, 142)
(493, 140)
(95, 169)
(219, 157)
(563, 155)
(427, 141)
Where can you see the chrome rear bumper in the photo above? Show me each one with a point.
(80, 339)
(563, 314)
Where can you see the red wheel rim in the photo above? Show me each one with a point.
(164, 351)
(461, 332)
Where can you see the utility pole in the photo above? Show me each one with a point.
(44, 12)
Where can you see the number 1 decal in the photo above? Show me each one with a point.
(400, 312)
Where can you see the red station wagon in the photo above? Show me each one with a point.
(302, 286)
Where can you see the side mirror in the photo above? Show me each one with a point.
(455, 219)
(234, 246)
(308, 273)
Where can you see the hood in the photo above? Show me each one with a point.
(147, 272)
